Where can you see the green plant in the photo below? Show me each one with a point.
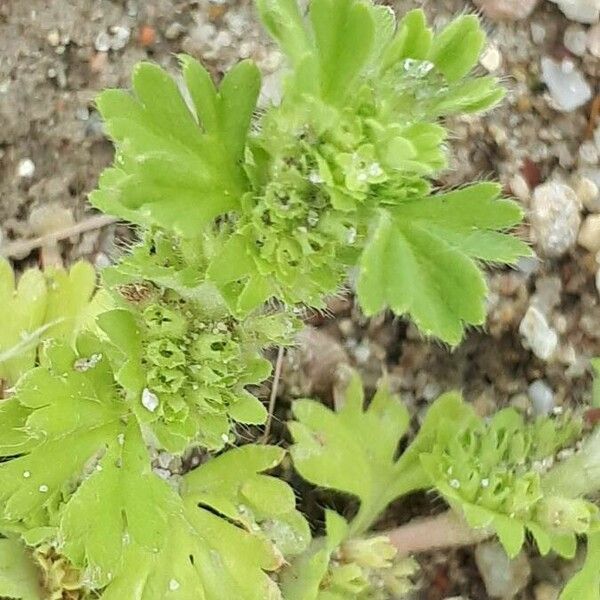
(244, 219)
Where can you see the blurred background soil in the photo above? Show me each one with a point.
(542, 143)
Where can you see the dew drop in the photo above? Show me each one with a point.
(454, 483)
(43, 488)
(149, 400)
(173, 585)
(26, 474)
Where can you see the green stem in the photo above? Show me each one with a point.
(411, 479)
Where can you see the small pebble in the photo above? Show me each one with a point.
(593, 40)
(174, 31)
(538, 33)
(589, 234)
(25, 168)
(555, 218)
(120, 37)
(102, 43)
(520, 188)
(537, 334)
(542, 397)
(567, 85)
(53, 38)
(575, 40)
(547, 295)
(503, 577)
(491, 59)
(583, 11)
(588, 153)
(146, 36)
(506, 10)
(588, 194)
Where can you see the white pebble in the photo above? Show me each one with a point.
(587, 193)
(53, 38)
(103, 42)
(491, 59)
(555, 218)
(575, 39)
(537, 334)
(542, 397)
(583, 11)
(150, 400)
(120, 37)
(589, 234)
(520, 188)
(567, 85)
(538, 33)
(588, 153)
(593, 40)
(25, 168)
(503, 577)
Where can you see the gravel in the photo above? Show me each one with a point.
(555, 218)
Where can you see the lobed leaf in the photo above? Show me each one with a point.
(354, 450)
(421, 257)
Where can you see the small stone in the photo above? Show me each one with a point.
(25, 168)
(506, 10)
(547, 295)
(567, 85)
(587, 193)
(174, 31)
(149, 400)
(546, 591)
(588, 153)
(537, 334)
(589, 234)
(542, 397)
(520, 188)
(583, 11)
(538, 33)
(53, 38)
(120, 37)
(503, 577)
(555, 218)
(491, 59)
(102, 43)
(146, 36)
(575, 40)
(593, 40)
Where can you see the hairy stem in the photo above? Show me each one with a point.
(442, 531)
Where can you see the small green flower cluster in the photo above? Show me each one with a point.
(184, 369)
(369, 569)
(500, 466)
